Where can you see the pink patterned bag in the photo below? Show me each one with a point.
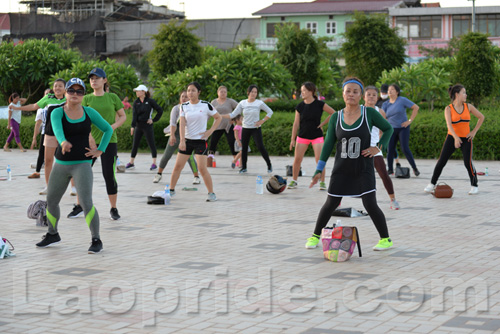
(339, 242)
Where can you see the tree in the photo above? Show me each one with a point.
(236, 69)
(121, 78)
(175, 48)
(475, 67)
(64, 40)
(26, 68)
(140, 64)
(298, 51)
(448, 51)
(371, 47)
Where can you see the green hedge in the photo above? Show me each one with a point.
(427, 135)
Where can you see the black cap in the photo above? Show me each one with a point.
(384, 88)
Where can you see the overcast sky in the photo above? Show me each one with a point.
(213, 9)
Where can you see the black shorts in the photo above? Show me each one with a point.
(199, 146)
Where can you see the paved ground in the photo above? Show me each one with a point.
(239, 265)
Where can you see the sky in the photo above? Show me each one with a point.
(213, 9)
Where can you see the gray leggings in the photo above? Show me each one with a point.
(169, 150)
(58, 182)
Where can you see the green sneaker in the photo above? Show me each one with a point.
(383, 244)
(322, 186)
(292, 185)
(312, 242)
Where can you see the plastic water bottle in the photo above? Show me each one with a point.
(259, 186)
(339, 223)
(118, 161)
(9, 173)
(486, 173)
(167, 196)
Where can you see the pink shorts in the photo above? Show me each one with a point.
(319, 140)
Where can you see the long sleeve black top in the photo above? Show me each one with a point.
(143, 110)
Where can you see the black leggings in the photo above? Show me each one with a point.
(370, 204)
(216, 136)
(41, 155)
(245, 141)
(108, 164)
(139, 131)
(447, 151)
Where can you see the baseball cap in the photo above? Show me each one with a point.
(75, 81)
(384, 88)
(98, 71)
(141, 87)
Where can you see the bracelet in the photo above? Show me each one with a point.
(410, 120)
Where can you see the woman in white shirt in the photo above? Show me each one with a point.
(250, 108)
(193, 137)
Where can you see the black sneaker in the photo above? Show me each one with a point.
(114, 214)
(76, 212)
(49, 239)
(416, 171)
(390, 172)
(96, 246)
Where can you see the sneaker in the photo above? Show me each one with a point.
(474, 191)
(157, 178)
(43, 191)
(390, 172)
(211, 197)
(243, 171)
(33, 166)
(312, 242)
(394, 204)
(49, 239)
(73, 191)
(96, 246)
(76, 212)
(114, 214)
(153, 167)
(196, 180)
(172, 192)
(233, 165)
(292, 185)
(322, 186)
(430, 188)
(35, 175)
(383, 244)
(269, 169)
(416, 171)
(129, 166)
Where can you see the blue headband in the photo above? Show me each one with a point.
(353, 81)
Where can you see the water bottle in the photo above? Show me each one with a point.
(486, 171)
(9, 173)
(118, 161)
(259, 186)
(167, 196)
(339, 223)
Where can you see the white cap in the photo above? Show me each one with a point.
(141, 87)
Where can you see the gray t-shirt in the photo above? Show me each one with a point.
(251, 112)
(225, 109)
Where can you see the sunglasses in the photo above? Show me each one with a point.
(72, 91)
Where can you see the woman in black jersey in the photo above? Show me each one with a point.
(353, 172)
(308, 115)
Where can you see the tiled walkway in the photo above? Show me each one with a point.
(239, 265)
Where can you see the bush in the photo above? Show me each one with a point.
(428, 133)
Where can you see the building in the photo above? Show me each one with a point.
(328, 18)
(435, 27)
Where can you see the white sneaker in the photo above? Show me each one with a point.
(157, 178)
(196, 180)
(44, 191)
(430, 188)
(73, 191)
(33, 165)
(474, 191)
(211, 197)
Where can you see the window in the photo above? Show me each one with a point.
(419, 27)
(312, 27)
(461, 25)
(488, 24)
(331, 28)
(270, 28)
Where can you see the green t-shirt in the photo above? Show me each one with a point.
(106, 105)
(50, 99)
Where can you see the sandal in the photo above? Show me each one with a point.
(7, 150)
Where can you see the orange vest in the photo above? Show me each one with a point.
(460, 122)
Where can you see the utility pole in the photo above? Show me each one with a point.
(473, 15)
